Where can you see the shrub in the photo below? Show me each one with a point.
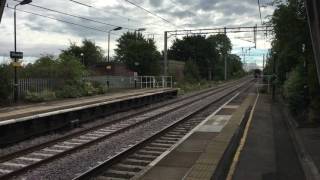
(5, 83)
(70, 91)
(293, 91)
(45, 95)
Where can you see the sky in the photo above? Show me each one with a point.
(38, 36)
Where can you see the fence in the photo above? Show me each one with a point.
(36, 85)
(117, 82)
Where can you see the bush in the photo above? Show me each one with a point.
(78, 89)
(70, 91)
(5, 83)
(45, 95)
(293, 91)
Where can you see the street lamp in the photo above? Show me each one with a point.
(138, 30)
(115, 29)
(82, 58)
(15, 49)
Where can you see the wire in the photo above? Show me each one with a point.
(75, 16)
(64, 21)
(89, 6)
(134, 4)
(260, 12)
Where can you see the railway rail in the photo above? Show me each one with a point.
(30, 158)
(129, 163)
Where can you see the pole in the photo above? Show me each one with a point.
(274, 78)
(225, 59)
(263, 64)
(108, 45)
(15, 96)
(165, 54)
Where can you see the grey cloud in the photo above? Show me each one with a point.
(155, 3)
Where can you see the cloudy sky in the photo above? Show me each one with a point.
(38, 35)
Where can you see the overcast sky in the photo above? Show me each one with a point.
(37, 35)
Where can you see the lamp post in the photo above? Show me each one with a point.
(138, 30)
(82, 58)
(15, 49)
(109, 32)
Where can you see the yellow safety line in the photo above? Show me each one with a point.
(242, 142)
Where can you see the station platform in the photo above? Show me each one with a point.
(20, 122)
(207, 151)
(32, 109)
(274, 149)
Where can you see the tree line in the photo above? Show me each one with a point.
(205, 57)
(292, 57)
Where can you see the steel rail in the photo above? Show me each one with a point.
(75, 148)
(119, 157)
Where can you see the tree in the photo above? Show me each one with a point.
(207, 53)
(295, 66)
(191, 72)
(92, 54)
(138, 53)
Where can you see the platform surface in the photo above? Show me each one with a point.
(198, 155)
(32, 109)
(269, 152)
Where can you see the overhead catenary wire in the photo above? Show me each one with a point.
(90, 6)
(259, 6)
(76, 16)
(61, 20)
(144, 9)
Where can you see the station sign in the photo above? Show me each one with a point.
(17, 55)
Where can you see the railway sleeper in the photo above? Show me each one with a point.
(130, 161)
(142, 157)
(165, 138)
(108, 178)
(118, 174)
(145, 152)
(158, 149)
(160, 145)
(125, 167)
(165, 141)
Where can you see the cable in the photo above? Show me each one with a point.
(75, 16)
(64, 21)
(260, 12)
(150, 12)
(89, 6)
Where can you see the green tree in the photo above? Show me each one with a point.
(92, 54)
(295, 66)
(44, 67)
(191, 72)
(207, 53)
(138, 53)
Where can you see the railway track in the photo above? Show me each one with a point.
(129, 163)
(30, 158)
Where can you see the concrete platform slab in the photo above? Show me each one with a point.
(180, 159)
(167, 173)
